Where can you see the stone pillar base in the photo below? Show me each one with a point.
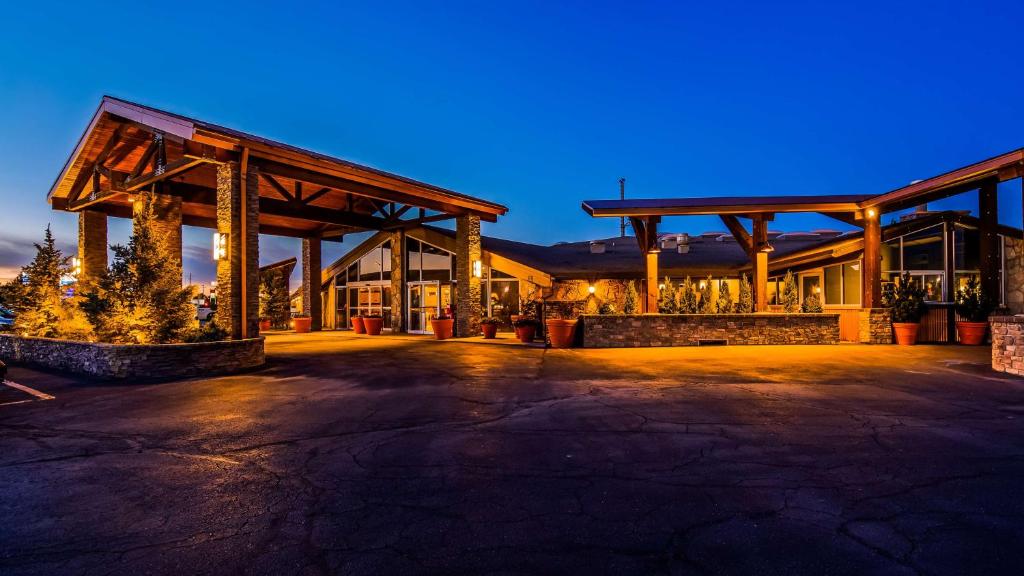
(875, 326)
(1008, 344)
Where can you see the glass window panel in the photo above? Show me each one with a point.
(773, 292)
(922, 250)
(966, 247)
(500, 274)
(891, 255)
(810, 285)
(353, 271)
(851, 283)
(412, 260)
(437, 263)
(504, 301)
(385, 256)
(370, 265)
(833, 285)
(932, 286)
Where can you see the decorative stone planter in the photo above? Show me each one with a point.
(302, 325)
(561, 332)
(906, 332)
(443, 329)
(373, 325)
(644, 330)
(357, 325)
(135, 361)
(971, 333)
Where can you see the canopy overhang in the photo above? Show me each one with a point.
(128, 147)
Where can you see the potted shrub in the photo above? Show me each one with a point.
(373, 323)
(443, 325)
(905, 298)
(302, 322)
(264, 324)
(812, 305)
(526, 329)
(489, 326)
(972, 308)
(357, 325)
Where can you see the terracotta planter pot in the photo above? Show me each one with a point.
(971, 333)
(526, 333)
(489, 330)
(373, 325)
(906, 333)
(561, 332)
(302, 324)
(357, 325)
(443, 329)
(264, 325)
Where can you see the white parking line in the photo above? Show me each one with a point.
(39, 395)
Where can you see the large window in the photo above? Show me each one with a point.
(499, 296)
(364, 287)
(424, 262)
(842, 285)
(920, 254)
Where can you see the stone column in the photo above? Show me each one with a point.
(166, 223)
(92, 248)
(398, 281)
(467, 296)
(231, 274)
(311, 274)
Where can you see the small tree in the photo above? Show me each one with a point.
(274, 299)
(139, 299)
(790, 296)
(972, 304)
(632, 304)
(745, 301)
(706, 304)
(667, 298)
(906, 299)
(687, 297)
(40, 304)
(812, 305)
(725, 305)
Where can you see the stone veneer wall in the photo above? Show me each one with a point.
(1014, 248)
(156, 361)
(1008, 344)
(875, 326)
(634, 331)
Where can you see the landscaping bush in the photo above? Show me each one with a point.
(687, 297)
(607, 309)
(745, 301)
(275, 304)
(905, 298)
(725, 304)
(41, 307)
(812, 305)
(667, 298)
(706, 305)
(632, 304)
(790, 296)
(972, 304)
(210, 332)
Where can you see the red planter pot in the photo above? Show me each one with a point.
(971, 333)
(443, 328)
(906, 333)
(373, 325)
(489, 330)
(357, 325)
(302, 324)
(264, 325)
(526, 333)
(561, 332)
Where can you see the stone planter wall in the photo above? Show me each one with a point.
(696, 329)
(121, 361)
(1008, 344)
(876, 326)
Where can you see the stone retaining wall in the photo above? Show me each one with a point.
(645, 330)
(120, 361)
(1008, 344)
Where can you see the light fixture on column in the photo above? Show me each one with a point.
(76, 267)
(765, 247)
(220, 246)
(591, 288)
(871, 213)
(478, 269)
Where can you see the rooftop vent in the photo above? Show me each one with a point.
(597, 247)
(669, 242)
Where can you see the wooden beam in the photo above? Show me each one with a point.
(88, 171)
(988, 246)
(278, 187)
(309, 199)
(147, 155)
(169, 170)
(738, 232)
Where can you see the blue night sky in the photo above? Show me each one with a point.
(534, 105)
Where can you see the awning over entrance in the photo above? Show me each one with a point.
(863, 210)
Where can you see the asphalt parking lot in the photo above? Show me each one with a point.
(363, 455)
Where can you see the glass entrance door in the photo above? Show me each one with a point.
(426, 301)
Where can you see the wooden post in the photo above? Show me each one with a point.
(871, 281)
(651, 266)
(988, 246)
(759, 260)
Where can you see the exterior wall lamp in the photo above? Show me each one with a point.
(220, 246)
(871, 213)
(76, 267)
(478, 269)
(766, 247)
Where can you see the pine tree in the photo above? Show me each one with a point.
(745, 301)
(706, 304)
(42, 309)
(274, 299)
(724, 298)
(632, 304)
(688, 297)
(139, 299)
(790, 297)
(667, 298)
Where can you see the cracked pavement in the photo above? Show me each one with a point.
(362, 455)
